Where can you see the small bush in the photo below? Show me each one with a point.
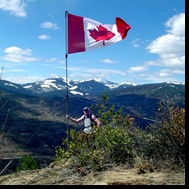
(27, 163)
(165, 139)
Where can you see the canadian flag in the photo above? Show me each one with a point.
(85, 34)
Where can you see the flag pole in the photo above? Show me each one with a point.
(66, 56)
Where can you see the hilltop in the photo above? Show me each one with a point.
(113, 175)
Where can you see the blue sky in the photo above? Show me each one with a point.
(33, 47)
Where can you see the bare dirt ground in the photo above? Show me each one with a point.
(119, 175)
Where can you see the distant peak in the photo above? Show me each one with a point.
(128, 83)
(175, 82)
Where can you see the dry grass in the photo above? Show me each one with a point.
(118, 175)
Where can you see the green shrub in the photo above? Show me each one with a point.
(119, 141)
(27, 163)
(111, 143)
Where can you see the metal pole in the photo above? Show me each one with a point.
(66, 56)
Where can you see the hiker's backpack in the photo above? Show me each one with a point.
(88, 120)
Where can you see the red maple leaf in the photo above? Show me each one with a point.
(101, 34)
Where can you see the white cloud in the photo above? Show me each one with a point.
(167, 46)
(49, 25)
(62, 62)
(86, 73)
(135, 43)
(176, 25)
(54, 59)
(15, 54)
(171, 46)
(16, 50)
(23, 80)
(44, 37)
(108, 61)
(15, 7)
(163, 74)
(137, 69)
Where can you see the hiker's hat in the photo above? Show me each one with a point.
(86, 109)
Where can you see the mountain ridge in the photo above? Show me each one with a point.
(58, 86)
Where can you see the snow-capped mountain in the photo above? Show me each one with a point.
(58, 86)
(47, 85)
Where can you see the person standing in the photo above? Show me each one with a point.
(87, 118)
